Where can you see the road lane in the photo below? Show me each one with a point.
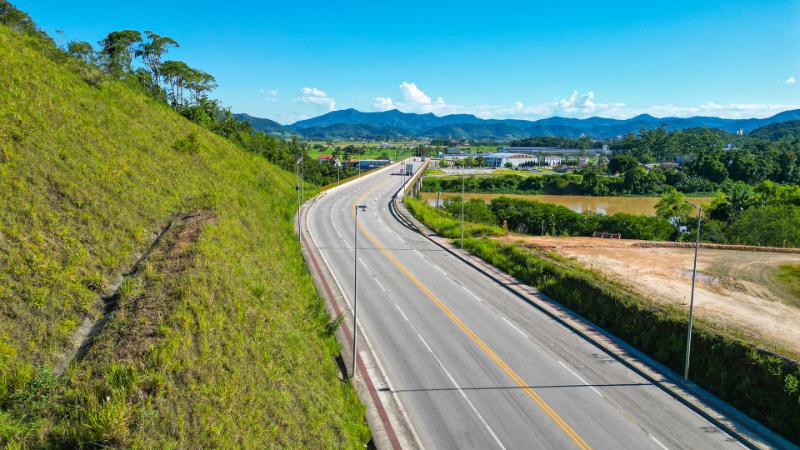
(455, 392)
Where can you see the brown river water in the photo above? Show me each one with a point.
(579, 203)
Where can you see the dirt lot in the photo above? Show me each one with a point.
(738, 290)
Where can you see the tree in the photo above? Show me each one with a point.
(673, 207)
(199, 83)
(117, 49)
(174, 74)
(622, 163)
(83, 51)
(151, 52)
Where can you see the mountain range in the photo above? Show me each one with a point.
(395, 124)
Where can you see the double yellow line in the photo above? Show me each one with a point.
(483, 346)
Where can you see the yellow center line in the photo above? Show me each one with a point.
(483, 346)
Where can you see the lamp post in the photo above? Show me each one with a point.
(298, 189)
(355, 284)
(462, 209)
(691, 300)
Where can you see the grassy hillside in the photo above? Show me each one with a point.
(218, 340)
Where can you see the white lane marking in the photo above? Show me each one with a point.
(580, 378)
(363, 263)
(402, 313)
(514, 327)
(658, 442)
(379, 283)
(461, 391)
(439, 269)
(471, 293)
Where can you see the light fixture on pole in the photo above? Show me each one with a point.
(691, 299)
(355, 283)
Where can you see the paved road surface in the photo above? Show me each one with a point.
(473, 365)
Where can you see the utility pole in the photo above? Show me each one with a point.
(355, 284)
(691, 300)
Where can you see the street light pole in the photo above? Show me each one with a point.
(691, 301)
(355, 284)
(462, 210)
(299, 195)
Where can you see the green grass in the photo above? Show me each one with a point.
(789, 276)
(440, 222)
(240, 356)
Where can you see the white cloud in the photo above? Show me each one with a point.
(313, 92)
(314, 96)
(790, 80)
(579, 105)
(270, 96)
(414, 95)
(730, 110)
(383, 104)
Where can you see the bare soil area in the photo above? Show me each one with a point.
(737, 290)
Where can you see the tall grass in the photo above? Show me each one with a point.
(447, 226)
(241, 355)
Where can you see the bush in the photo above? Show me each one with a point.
(776, 226)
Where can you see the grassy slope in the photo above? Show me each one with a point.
(87, 176)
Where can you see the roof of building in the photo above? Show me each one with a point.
(552, 150)
(325, 157)
(505, 155)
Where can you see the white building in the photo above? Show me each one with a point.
(516, 159)
(552, 161)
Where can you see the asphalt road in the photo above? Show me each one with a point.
(474, 366)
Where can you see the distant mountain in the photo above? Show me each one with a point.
(777, 131)
(394, 124)
(265, 125)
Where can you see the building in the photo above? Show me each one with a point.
(597, 152)
(328, 159)
(515, 159)
(552, 160)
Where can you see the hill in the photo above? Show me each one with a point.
(357, 124)
(216, 337)
(777, 131)
(265, 125)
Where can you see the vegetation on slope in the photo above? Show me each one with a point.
(238, 350)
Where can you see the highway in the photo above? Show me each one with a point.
(474, 366)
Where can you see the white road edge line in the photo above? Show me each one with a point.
(580, 378)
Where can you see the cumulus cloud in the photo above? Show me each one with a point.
(383, 104)
(790, 80)
(314, 96)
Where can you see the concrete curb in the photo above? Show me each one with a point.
(729, 419)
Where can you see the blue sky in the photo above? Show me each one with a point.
(292, 60)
